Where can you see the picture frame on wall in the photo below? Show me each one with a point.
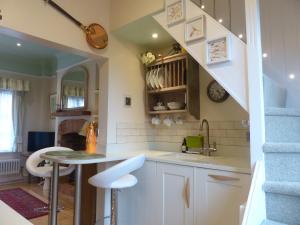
(52, 104)
(175, 12)
(218, 50)
(195, 29)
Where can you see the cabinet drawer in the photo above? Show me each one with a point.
(227, 177)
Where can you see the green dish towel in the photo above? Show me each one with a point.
(194, 141)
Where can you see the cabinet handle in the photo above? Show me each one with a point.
(223, 178)
(187, 193)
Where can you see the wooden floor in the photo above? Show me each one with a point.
(65, 217)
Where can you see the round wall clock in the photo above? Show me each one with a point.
(216, 92)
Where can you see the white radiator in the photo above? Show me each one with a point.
(10, 167)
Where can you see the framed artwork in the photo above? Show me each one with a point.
(175, 12)
(195, 29)
(218, 50)
(52, 104)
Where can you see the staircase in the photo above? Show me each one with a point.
(231, 75)
(282, 165)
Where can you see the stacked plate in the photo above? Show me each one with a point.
(155, 78)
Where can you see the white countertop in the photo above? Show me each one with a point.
(217, 163)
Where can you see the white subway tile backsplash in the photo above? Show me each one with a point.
(230, 136)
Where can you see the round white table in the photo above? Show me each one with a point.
(77, 158)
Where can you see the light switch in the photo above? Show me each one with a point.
(127, 101)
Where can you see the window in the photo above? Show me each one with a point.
(75, 102)
(6, 121)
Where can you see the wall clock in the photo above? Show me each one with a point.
(216, 92)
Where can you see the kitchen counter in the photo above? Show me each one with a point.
(229, 164)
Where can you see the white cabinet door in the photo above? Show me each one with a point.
(138, 205)
(175, 191)
(219, 195)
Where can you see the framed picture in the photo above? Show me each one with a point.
(52, 104)
(175, 12)
(218, 50)
(195, 29)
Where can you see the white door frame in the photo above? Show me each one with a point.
(255, 81)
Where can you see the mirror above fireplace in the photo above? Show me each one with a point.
(74, 86)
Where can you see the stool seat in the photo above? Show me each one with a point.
(118, 177)
(126, 181)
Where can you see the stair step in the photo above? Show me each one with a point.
(282, 161)
(271, 222)
(274, 111)
(283, 188)
(282, 125)
(283, 201)
(281, 147)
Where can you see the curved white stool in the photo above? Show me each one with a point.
(46, 171)
(118, 177)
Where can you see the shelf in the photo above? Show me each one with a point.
(68, 113)
(181, 88)
(168, 111)
(169, 59)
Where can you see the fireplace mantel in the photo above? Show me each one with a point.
(69, 113)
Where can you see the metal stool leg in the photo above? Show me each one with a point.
(114, 204)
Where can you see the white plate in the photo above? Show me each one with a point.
(147, 78)
(151, 79)
(160, 78)
(156, 84)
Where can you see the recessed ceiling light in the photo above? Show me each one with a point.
(202, 6)
(265, 55)
(155, 35)
(220, 20)
(292, 76)
(241, 36)
(19, 44)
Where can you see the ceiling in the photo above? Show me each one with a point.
(33, 58)
(140, 33)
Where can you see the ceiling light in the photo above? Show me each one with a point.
(155, 35)
(19, 44)
(292, 76)
(265, 55)
(202, 6)
(241, 36)
(220, 20)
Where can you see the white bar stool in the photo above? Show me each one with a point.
(46, 171)
(118, 177)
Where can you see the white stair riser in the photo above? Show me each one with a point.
(282, 129)
(283, 208)
(282, 167)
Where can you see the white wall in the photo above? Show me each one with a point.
(126, 11)
(281, 41)
(40, 21)
(228, 110)
(37, 109)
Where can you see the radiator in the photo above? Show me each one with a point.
(10, 167)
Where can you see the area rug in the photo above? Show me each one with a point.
(23, 202)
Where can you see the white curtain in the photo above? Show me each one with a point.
(7, 136)
(18, 108)
(14, 84)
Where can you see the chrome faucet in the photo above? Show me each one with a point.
(207, 149)
(207, 131)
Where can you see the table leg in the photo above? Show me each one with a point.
(54, 194)
(77, 195)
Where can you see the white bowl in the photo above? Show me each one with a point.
(160, 108)
(175, 105)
